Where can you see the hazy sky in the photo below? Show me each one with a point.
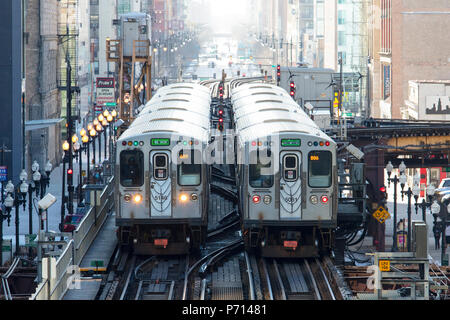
(220, 15)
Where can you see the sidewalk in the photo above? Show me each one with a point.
(402, 213)
(54, 212)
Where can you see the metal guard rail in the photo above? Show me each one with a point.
(56, 287)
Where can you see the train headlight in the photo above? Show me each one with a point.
(314, 199)
(137, 198)
(194, 197)
(267, 199)
(127, 198)
(256, 199)
(184, 197)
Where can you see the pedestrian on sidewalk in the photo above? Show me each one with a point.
(437, 236)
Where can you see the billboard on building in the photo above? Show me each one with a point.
(105, 91)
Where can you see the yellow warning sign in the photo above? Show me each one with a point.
(385, 265)
(381, 214)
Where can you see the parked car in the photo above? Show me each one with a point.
(445, 183)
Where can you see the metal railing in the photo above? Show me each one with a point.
(56, 274)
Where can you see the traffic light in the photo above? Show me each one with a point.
(221, 91)
(220, 125)
(383, 193)
(278, 74)
(220, 111)
(292, 86)
(69, 175)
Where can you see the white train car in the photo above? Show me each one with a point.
(162, 188)
(287, 176)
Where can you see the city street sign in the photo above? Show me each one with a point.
(98, 109)
(385, 265)
(30, 240)
(7, 245)
(381, 214)
(3, 173)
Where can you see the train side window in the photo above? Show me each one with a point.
(160, 166)
(131, 168)
(290, 167)
(189, 173)
(256, 178)
(319, 169)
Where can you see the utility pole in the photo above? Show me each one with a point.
(69, 91)
(340, 90)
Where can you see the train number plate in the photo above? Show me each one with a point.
(290, 244)
(161, 242)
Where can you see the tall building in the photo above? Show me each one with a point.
(10, 88)
(346, 37)
(414, 46)
(42, 104)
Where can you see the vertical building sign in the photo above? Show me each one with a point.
(386, 82)
(105, 91)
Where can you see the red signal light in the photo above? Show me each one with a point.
(324, 199)
(70, 171)
(220, 120)
(292, 85)
(383, 189)
(256, 199)
(220, 112)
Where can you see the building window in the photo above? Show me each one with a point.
(341, 38)
(341, 17)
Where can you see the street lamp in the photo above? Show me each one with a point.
(19, 194)
(395, 181)
(85, 139)
(93, 134)
(66, 148)
(430, 191)
(105, 125)
(99, 130)
(48, 170)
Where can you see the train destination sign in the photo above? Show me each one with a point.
(291, 143)
(162, 142)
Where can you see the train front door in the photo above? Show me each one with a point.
(290, 185)
(160, 184)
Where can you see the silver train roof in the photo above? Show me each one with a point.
(270, 113)
(167, 113)
(258, 92)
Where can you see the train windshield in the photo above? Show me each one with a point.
(256, 177)
(131, 168)
(320, 169)
(189, 173)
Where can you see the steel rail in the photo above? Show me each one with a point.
(280, 281)
(267, 278)
(313, 281)
(250, 276)
(326, 279)
(189, 271)
(127, 282)
(138, 292)
(203, 291)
